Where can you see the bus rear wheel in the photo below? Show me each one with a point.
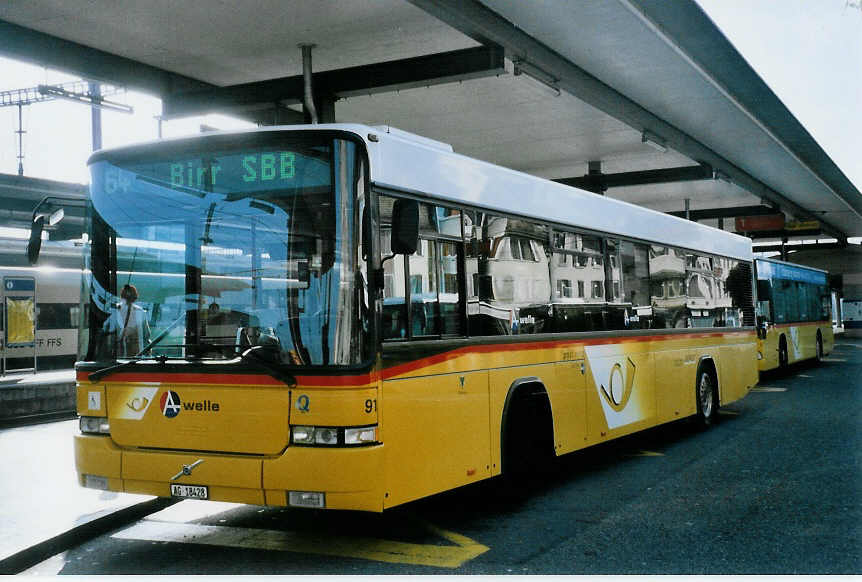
(819, 347)
(706, 395)
(782, 353)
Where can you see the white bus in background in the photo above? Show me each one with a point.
(851, 313)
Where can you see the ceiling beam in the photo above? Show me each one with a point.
(31, 46)
(729, 212)
(661, 176)
(423, 71)
(484, 25)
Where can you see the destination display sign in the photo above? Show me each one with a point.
(229, 172)
(262, 167)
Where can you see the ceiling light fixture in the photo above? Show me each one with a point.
(546, 81)
(654, 141)
(719, 175)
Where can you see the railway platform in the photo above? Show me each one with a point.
(31, 397)
(41, 499)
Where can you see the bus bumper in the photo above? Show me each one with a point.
(348, 478)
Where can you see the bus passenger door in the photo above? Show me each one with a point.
(435, 433)
(568, 401)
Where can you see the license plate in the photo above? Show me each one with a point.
(189, 491)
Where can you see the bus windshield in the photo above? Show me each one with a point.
(207, 248)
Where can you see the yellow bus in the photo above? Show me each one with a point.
(793, 312)
(350, 317)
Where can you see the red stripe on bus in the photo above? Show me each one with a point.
(490, 348)
(366, 379)
(231, 379)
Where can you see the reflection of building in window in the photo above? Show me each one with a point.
(564, 288)
(415, 283)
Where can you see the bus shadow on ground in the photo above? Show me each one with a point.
(499, 496)
(488, 499)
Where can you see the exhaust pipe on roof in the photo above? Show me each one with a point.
(308, 96)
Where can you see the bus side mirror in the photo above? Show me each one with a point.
(762, 327)
(405, 226)
(34, 246)
(56, 217)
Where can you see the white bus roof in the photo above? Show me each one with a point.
(789, 264)
(415, 164)
(400, 162)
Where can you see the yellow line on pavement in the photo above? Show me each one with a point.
(768, 389)
(645, 454)
(441, 556)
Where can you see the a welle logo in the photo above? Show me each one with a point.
(171, 405)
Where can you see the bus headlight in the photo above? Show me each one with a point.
(333, 436)
(94, 425)
(326, 436)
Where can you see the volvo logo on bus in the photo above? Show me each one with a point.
(170, 404)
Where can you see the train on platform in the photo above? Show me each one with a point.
(39, 306)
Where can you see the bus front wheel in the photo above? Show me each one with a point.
(528, 435)
(819, 347)
(782, 353)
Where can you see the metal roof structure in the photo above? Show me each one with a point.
(543, 88)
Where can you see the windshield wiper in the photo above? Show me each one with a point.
(95, 376)
(250, 356)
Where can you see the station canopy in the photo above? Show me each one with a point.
(642, 100)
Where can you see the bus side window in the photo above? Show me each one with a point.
(450, 298)
(430, 276)
(424, 302)
(582, 279)
(764, 301)
(635, 274)
(394, 316)
(667, 273)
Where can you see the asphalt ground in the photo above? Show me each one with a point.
(774, 488)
